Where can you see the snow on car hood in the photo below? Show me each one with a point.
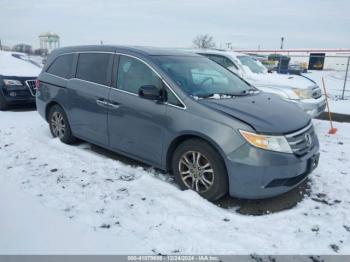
(11, 66)
(280, 80)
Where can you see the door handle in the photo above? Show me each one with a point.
(114, 105)
(101, 102)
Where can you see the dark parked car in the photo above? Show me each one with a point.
(17, 79)
(180, 112)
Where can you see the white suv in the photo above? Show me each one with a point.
(298, 89)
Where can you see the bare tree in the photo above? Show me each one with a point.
(204, 41)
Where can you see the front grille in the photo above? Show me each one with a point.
(316, 92)
(31, 86)
(302, 141)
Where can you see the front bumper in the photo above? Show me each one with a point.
(313, 107)
(17, 94)
(256, 173)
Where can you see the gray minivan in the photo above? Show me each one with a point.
(179, 112)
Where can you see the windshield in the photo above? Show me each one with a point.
(253, 65)
(201, 77)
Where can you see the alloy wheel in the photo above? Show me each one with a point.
(58, 125)
(196, 171)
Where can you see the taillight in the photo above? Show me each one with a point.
(37, 83)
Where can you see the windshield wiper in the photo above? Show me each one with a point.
(248, 91)
(242, 93)
(213, 94)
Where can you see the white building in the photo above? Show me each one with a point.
(49, 41)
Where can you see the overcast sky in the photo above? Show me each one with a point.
(174, 23)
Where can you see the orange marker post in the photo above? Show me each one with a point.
(333, 130)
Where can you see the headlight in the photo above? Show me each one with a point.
(273, 143)
(303, 93)
(11, 82)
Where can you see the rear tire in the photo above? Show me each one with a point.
(59, 125)
(196, 165)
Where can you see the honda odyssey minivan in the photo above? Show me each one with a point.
(180, 112)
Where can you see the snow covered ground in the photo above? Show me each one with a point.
(334, 81)
(60, 199)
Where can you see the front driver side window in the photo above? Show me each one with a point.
(132, 74)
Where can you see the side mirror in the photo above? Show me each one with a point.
(150, 92)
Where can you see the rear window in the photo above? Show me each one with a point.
(93, 67)
(61, 66)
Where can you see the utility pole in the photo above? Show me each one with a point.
(0, 45)
(282, 41)
(346, 78)
(101, 42)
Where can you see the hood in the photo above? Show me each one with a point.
(274, 79)
(12, 66)
(266, 113)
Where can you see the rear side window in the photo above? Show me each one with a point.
(221, 60)
(94, 67)
(61, 66)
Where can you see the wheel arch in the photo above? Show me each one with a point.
(49, 106)
(186, 136)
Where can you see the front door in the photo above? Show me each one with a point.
(135, 124)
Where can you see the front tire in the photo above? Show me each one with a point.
(59, 125)
(196, 165)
